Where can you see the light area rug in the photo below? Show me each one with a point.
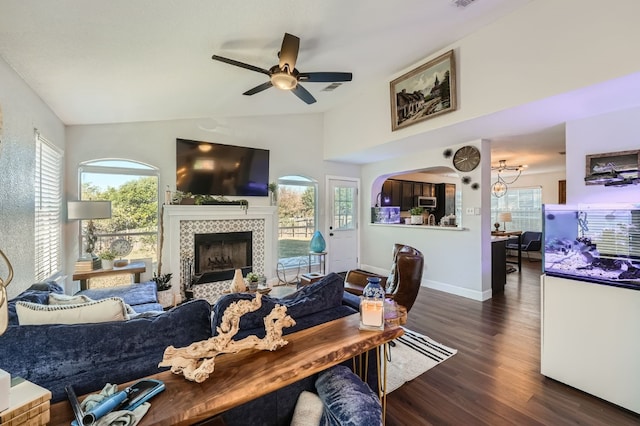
(412, 355)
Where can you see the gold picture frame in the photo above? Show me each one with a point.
(424, 92)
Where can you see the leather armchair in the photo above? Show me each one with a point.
(404, 279)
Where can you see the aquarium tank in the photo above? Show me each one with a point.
(385, 214)
(597, 243)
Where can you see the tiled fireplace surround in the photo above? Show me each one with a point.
(182, 222)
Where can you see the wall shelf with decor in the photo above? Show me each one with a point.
(613, 168)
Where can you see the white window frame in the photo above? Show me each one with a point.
(93, 166)
(303, 181)
(48, 209)
(524, 219)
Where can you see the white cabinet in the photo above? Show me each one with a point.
(591, 338)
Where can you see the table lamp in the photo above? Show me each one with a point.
(504, 217)
(89, 210)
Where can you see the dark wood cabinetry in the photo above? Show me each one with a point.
(407, 196)
(428, 190)
(446, 195)
(498, 265)
(403, 193)
(391, 191)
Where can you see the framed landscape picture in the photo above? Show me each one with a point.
(425, 92)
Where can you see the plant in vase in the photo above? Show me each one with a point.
(165, 298)
(273, 192)
(416, 215)
(253, 280)
(106, 258)
(162, 281)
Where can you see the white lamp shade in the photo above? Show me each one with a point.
(504, 217)
(81, 210)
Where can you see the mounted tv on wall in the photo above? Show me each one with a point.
(206, 168)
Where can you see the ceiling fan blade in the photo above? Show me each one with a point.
(258, 89)
(303, 94)
(325, 77)
(289, 51)
(240, 64)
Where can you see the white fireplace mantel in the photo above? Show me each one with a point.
(173, 215)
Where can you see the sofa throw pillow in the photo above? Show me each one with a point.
(37, 293)
(347, 400)
(111, 309)
(308, 411)
(65, 299)
(321, 295)
(132, 294)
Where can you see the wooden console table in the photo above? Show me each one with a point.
(135, 268)
(241, 377)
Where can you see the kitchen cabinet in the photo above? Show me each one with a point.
(403, 193)
(446, 195)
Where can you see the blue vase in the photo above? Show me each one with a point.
(372, 305)
(373, 289)
(317, 244)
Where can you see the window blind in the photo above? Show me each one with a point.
(525, 205)
(48, 208)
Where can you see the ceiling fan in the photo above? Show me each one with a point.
(284, 75)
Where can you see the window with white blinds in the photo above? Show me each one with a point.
(48, 208)
(525, 205)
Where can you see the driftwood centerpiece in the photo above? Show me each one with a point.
(196, 361)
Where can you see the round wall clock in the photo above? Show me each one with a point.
(466, 158)
(121, 247)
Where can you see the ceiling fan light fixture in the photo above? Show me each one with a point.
(284, 81)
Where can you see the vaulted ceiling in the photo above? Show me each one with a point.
(96, 61)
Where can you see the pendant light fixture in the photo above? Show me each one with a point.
(500, 187)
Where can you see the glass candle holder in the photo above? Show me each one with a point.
(372, 305)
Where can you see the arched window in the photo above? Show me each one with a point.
(132, 188)
(297, 218)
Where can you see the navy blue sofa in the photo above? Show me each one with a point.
(90, 355)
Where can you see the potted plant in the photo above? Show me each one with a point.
(252, 280)
(165, 298)
(106, 258)
(416, 215)
(162, 281)
(273, 193)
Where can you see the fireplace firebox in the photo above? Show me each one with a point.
(218, 255)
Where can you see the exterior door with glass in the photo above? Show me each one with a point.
(342, 233)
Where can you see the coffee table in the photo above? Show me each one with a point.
(243, 376)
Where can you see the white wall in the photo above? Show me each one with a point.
(616, 131)
(456, 261)
(295, 144)
(22, 111)
(545, 48)
(547, 181)
(540, 51)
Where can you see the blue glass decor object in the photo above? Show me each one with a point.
(372, 305)
(317, 244)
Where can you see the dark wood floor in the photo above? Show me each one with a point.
(494, 379)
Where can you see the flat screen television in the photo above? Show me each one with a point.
(206, 168)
